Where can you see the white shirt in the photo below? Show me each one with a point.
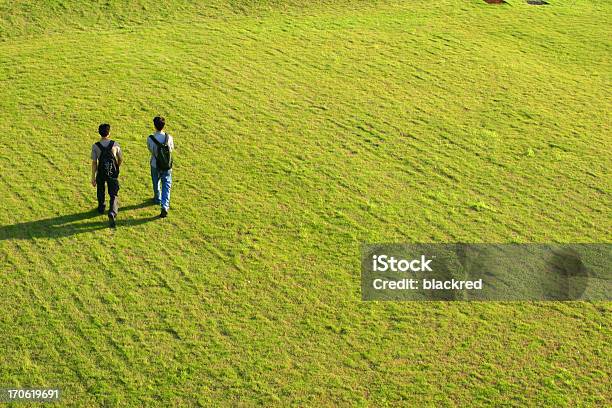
(161, 138)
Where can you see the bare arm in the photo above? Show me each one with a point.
(119, 156)
(94, 170)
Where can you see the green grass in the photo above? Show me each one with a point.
(302, 129)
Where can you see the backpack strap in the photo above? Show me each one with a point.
(109, 147)
(167, 137)
(155, 140)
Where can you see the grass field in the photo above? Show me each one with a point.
(303, 129)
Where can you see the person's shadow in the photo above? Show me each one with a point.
(67, 225)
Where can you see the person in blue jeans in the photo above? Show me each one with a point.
(163, 177)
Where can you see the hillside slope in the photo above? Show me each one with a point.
(301, 133)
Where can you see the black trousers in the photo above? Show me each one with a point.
(113, 191)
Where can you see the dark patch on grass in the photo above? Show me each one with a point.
(537, 2)
(495, 2)
(68, 225)
(173, 333)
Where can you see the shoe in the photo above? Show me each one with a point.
(101, 210)
(164, 213)
(156, 201)
(111, 221)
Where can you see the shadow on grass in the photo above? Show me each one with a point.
(67, 225)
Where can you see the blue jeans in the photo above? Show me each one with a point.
(165, 178)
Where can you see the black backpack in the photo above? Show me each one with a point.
(107, 163)
(164, 155)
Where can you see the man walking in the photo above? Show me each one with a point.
(106, 158)
(161, 145)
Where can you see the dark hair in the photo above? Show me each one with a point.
(104, 129)
(159, 122)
